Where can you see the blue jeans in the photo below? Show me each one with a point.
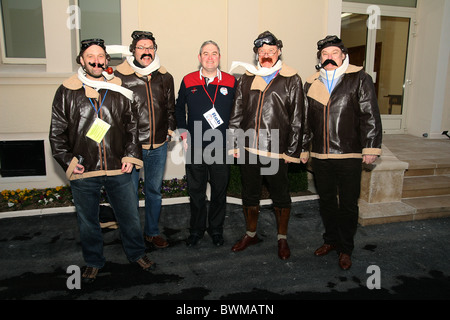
(154, 165)
(121, 196)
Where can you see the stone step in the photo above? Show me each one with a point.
(409, 209)
(384, 212)
(429, 207)
(422, 186)
(427, 167)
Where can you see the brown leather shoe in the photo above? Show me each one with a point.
(157, 241)
(146, 264)
(283, 249)
(89, 274)
(245, 242)
(324, 249)
(345, 262)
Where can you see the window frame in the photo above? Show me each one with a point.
(7, 60)
(392, 124)
(44, 62)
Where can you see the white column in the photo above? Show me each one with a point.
(60, 39)
(334, 17)
(441, 76)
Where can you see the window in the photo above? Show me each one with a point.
(100, 19)
(22, 35)
(397, 3)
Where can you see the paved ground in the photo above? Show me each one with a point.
(413, 260)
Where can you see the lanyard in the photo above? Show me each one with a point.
(97, 111)
(215, 95)
(330, 87)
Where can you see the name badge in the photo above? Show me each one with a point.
(98, 130)
(213, 118)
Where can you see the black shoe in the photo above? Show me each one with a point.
(192, 240)
(217, 240)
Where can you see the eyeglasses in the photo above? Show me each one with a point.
(142, 34)
(145, 48)
(269, 40)
(89, 42)
(270, 53)
(328, 40)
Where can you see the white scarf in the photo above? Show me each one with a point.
(337, 72)
(103, 85)
(155, 65)
(258, 71)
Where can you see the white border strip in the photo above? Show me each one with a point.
(165, 201)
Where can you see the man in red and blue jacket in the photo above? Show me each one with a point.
(202, 112)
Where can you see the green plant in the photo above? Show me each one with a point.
(234, 184)
(297, 174)
(298, 177)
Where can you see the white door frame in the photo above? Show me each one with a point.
(392, 124)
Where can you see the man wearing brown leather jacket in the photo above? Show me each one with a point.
(343, 130)
(93, 137)
(154, 99)
(269, 110)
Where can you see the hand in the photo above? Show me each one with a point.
(304, 160)
(368, 158)
(79, 169)
(127, 167)
(183, 137)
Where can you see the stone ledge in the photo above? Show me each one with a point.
(383, 181)
(388, 161)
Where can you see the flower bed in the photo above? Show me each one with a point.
(12, 200)
(27, 199)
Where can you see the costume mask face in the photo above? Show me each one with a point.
(268, 55)
(331, 58)
(144, 53)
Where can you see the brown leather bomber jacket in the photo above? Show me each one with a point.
(72, 117)
(154, 98)
(346, 124)
(259, 108)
